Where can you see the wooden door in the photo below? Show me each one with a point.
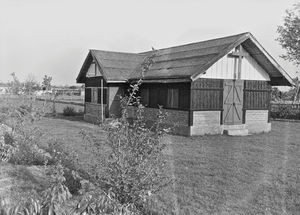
(233, 102)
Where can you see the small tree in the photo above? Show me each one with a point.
(47, 82)
(289, 35)
(15, 86)
(30, 84)
(134, 168)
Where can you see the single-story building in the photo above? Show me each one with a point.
(210, 87)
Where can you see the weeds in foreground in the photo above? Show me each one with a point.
(132, 172)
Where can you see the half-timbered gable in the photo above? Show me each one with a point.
(211, 87)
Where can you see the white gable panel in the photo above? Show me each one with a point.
(93, 71)
(251, 70)
(225, 67)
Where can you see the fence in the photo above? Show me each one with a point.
(278, 106)
(60, 105)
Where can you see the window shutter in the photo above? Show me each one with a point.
(87, 97)
(104, 96)
(153, 97)
(145, 96)
(162, 96)
(94, 95)
(184, 95)
(173, 95)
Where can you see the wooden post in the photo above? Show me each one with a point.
(238, 55)
(240, 62)
(101, 89)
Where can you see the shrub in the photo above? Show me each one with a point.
(69, 111)
(285, 112)
(134, 169)
(24, 138)
(68, 160)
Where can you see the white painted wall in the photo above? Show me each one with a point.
(93, 71)
(225, 67)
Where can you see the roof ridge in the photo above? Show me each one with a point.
(193, 43)
(116, 52)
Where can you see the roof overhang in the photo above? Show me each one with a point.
(163, 80)
(278, 76)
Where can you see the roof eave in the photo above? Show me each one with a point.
(201, 69)
(285, 75)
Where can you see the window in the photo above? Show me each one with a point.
(145, 96)
(172, 98)
(87, 97)
(184, 99)
(153, 97)
(94, 95)
(104, 96)
(162, 96)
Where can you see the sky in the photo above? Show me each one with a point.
(52, 37)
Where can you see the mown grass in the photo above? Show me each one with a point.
(257, 174)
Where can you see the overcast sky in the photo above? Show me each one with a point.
(42, 37)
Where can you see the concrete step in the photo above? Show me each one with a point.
(236, 132)
(230, 127)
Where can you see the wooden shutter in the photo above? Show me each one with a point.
(162, 96)
(207, 94)
(88, 95)
(153, 97)
(173, 95)
(184, 99)
(94, 95)
(257, 95)
(145, 96)
(104, 96)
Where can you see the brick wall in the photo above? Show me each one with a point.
(177, 120)
(206, 122)
(178, 117)
(93, 112)
(256, 116)
(257, 121)
(206, 118)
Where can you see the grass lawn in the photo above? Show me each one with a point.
(257, 174)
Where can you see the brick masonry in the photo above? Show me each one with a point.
(206, 122)
(92, 112)
(257, 121)
(176, 119)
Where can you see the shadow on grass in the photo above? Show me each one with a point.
(28, 178)
(77, 118)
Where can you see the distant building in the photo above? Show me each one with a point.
(4, 88)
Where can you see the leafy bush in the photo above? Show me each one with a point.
(133, 169)
(27, 150)
(51, 201)
(21, 144)
(69, 161)
(69, 111)
(285, 112)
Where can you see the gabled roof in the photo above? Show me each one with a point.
(114, 66)
(185, 62)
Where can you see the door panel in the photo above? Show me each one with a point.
(233, 102)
